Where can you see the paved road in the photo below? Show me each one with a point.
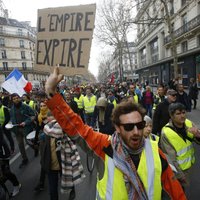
(29, 178)
(193, 191)
(86, 190)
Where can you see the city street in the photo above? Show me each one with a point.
(29, 175)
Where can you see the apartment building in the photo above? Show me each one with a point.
(154, 43)
(17, 47)
(123, 62)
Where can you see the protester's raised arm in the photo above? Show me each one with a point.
(52, 82)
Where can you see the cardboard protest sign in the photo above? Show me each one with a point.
(64, 37)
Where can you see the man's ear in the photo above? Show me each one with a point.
(117, 128)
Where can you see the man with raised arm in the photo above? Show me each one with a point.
(129, 166)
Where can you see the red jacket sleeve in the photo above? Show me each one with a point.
(170, 184)
(73, 125)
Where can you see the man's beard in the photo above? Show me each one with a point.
(17, 105)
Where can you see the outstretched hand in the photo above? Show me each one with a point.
(195, 131)
(52, 81)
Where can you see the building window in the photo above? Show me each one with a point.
(24, 67)
(198, 8)
(31, 55)
(184, 19)
(143, 53)
(154, 8)
(20, 33)
(183, 2)
(154, 46)
(1, 29)
(23, 55)
(21, 43)
(30, 45)
(5, 65)
(2, 42)
(172, 27)
(3, 54)
(184, 46)
(143, 56)
(171, 7)
(198, 40)
(162, 13)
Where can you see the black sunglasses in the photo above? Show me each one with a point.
(130, 126)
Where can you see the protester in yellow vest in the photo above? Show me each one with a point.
(159, 96)
(129, 166)
(89, 103)
(4, 119)
(131, 92)
(176, 141)
(111, 98)
(78, 97)
(27, 100)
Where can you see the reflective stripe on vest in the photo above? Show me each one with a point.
(184, 149)
(150, 170)
(89, 104)
(112, 185)
(2, 115)
(79, 101)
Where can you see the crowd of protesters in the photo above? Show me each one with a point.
(94, 103)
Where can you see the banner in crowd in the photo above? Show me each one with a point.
(16, 83)
(64, 37)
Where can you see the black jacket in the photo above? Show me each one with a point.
(184, 99)
(161, 117)
(46, 154)
(193, 91)
(4, 149)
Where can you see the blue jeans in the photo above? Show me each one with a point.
(89, 119)
(148, 108)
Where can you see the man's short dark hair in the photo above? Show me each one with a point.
(175, 106)
(14, 95)
(125, 108)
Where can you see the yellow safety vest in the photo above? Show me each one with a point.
(135, 97)
(114, 102)
(184, 149)
(155, 105)
(89, 104)
(31, 104)
(2, 115)
(154, 137)
(112, 185)
(79, 101)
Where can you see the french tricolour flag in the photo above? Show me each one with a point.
(16, 83)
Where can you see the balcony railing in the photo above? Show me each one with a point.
(18, 34)
(184, 29)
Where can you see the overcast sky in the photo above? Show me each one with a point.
(26, 10)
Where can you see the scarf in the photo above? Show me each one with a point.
(42, 115)
(72, 169)
(122, 160)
